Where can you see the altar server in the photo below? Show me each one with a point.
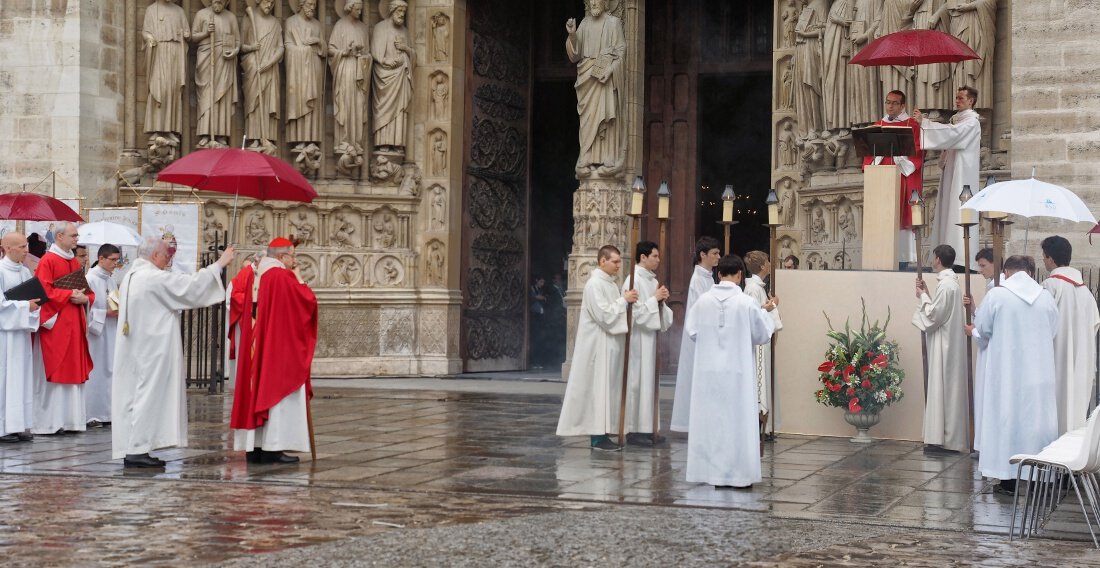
(102, 327)
(707, 255)
(758, 266)
(18, 320)
(651, 316)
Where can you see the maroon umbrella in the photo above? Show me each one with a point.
(909, 48)
(239, 172)
(1093, 231)
(25, 206)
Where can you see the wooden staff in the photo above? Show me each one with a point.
(923, 335)
(629, 325)
(771, 378)
(969, 339)
(998, 249)
(309, 423)
(657, 347)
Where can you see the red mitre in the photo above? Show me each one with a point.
(280, 242)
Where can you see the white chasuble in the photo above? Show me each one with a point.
(724, 436)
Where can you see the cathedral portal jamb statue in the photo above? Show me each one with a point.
(597, 47)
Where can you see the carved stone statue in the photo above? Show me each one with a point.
(835, 54)
(165, 31)
(385, 171)
(439, 154)
(785, 98)
(597, 47)
(813, 153)
(436, 259)
(305, 74)
(302, 228)
(351, 158)
(345, 271)
(864, 98)
(385, 230)
(307, 269)
(789, 18)
(215, 32)
(441, 96)
(211, 226)
(262, 51)
(786, 202)
(308, 159)
(256, 229)
(807, 66)
(818, 232)
(437, 218)
(975, 23)
(388, 272)
(350, 60)
(846, 222)
(410, 185)
(163, 150)
(441, 38)
(934, 79)
(787, 144)
(897, 15)
(342, 235)
(392, 79)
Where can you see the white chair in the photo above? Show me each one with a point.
(1074, 455)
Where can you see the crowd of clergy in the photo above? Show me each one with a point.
(1034, 379)
(111, 355)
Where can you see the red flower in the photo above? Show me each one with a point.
(851, 391)
(853, 405)
(889, 394)
(848, 371)
(819, 393)
(834, 387)
(866, 384)
(864, 369)
(826, 366)
(880, 362)
(870, 354)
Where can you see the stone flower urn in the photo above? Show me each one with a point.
(863, 422)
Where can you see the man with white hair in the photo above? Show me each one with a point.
(62, 341)
(18, 320)
(149, 400)
(278, 335)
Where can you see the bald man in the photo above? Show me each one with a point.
(18, 320)
(62, 341)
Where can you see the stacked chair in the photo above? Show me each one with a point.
(1072, 459)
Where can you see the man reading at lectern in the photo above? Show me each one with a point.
(908, 166)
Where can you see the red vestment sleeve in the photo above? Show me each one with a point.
(283, 341)
(242, 292)
(909, 182)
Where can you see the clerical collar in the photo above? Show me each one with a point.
(67, 255)
(99, 272)
(899, 118)
(964, 114)
(642, 271)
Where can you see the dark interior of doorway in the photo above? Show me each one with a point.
(734, 148)
(554, 131)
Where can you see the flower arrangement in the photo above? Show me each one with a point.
(861, 370)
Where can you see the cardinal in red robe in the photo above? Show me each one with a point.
(278, 321)
(910, 168)
(62, 340)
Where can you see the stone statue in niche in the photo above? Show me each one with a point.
(786, 202)
(836, 51)
(819, 233)
(812, 154)
(846, 222)
(307, 159)
(864, 100)
(385, 171)
(307, 269)
(256, 229)
(392, 78)
(815, 262)
(837, 148)
(302, 228)
(385, 229)
(305, 75)
(597, 46)
(211, 226)
(436, 259)
(787, 143)
(345, 271)
(262, 50)
(342, 234)
(975, 23)
(350, 61)
(165, 32)
(218, 40)
(934, 79)
(441, 96)
(788, 19)
(896, 15)
(388, 272)
(410, 184)
(785, 98)
(808, 66)
(441, 38)
(439, 154)
(437, 217)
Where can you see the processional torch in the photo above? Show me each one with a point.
(637, 202)
(917, 205)
(664, 196)
(773, 224)
(968, 218)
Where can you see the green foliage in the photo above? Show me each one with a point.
(861, 369)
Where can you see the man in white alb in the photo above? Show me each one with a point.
(707, 255)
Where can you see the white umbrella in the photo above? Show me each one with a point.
(1031, 198)
(106, 232)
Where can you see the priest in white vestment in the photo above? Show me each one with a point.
(724, 439)
(984, 258)
(595, 378)
(149, 399)
(707, 255)
(102, 327)
(946, 408)
(961, 161)
(1075, 342)
(18, 320)
(758, 266)
(651, 316)
(1018, 322)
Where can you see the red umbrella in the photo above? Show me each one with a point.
(909, 48)
(1093, 231)
(239, 172)
(25, 206)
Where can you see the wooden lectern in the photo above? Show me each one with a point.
(882, 193)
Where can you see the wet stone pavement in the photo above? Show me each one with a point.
(428, 478)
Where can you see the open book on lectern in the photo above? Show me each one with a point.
(886, 140)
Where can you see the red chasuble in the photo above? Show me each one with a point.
(282, 342)
(242, 290)
(65, 347)
(910, 182)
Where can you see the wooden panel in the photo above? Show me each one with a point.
(881, 191)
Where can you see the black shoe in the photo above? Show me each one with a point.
(279, 457)
(606, 445)
(94, 424)
(739, 487)
(644, 440)
(25, 436)
(9, 439)
(933, 450)
(141, 460)
(1005, 487)
(255, 456)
